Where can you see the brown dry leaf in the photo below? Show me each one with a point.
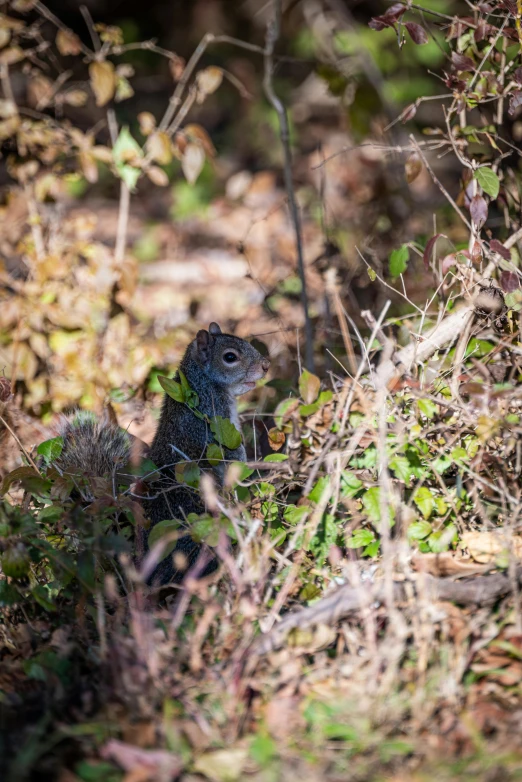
(412, 167)
(102, 153)
(40, 92)
(147, 122)
(208, 81)
(276, 438)
(159, 147)
(157, 176)
(487, 547)
(192, 162)
(103, 81)
(199, 134)
(88, 165)
(11, 55)
(68, 42)
(223, 765)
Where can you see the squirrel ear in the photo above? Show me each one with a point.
(214, 329)
(204, 341)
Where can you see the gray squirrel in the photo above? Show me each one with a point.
(218, 368)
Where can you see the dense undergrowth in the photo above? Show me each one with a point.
(365, 620)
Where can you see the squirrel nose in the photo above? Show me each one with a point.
(265, 363)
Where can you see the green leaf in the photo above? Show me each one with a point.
(350, 484)
(126, 148)
(427, 407)
(8, 595)
(50, 449)
(401, 467)
(425, 501)
(283, 410)
(276, 457)
(399, 260)
(488, 181)
(371, 501)
(225, 432)
(262, 750)
(309, 386)
(372, 549)
(293, 514)
(42, 596)
(205, 530)
(190, 397)
(163, 529)
(214, 454)
(189, 473)
(172, 388)
(440, 541)
(324, 397)
(323, 484)
(360, 538)
(244, 471)
(419, 530)
(514, 300)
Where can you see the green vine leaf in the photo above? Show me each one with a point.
(225, 432)
(488, 180)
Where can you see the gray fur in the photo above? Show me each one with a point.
(92, 447)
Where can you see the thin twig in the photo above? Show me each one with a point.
(272, 36)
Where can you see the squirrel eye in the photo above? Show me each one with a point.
(229, 357)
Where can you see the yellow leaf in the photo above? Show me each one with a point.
(159, 148)
(103, 81)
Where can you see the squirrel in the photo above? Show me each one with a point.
(218, 368)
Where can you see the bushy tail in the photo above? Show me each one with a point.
(93, 446)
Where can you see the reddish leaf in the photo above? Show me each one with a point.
(417, 33)
(462, 63)
(509, 281)
(517, 76)
(483, 30)
(429, 249)
(395, 11)
(497, 247)
(389, 18)
(515, 100)
(449, 261)
(379, 23)
(478, 210)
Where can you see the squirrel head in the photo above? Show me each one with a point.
(228, 361)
